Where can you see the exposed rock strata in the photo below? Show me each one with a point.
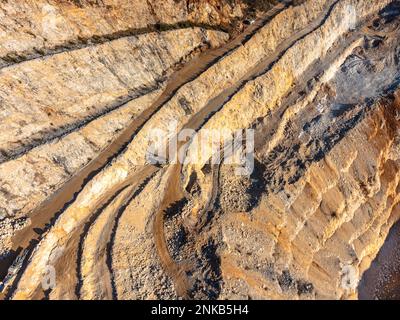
(316, 80)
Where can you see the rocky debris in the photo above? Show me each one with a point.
(316, 80)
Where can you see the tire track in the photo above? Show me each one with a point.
(112, 236)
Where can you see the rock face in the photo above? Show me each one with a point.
(84, 86)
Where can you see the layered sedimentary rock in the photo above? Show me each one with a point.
(316, 81)
(31, 29)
